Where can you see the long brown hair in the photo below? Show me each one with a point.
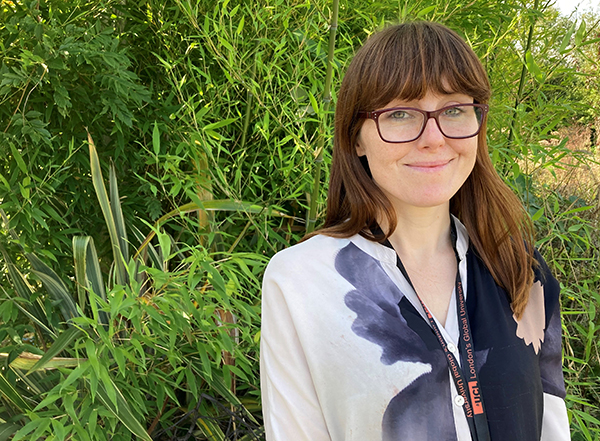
(405, 62)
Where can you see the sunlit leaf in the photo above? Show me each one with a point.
(60, 344)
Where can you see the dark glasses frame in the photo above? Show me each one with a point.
(374, 115)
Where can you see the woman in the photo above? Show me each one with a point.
(421, 311)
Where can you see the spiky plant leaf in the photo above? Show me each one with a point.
(115, 204)
(7, 430)
(55, 287)
(27, 361)
(32, 317)
(80, 244)
(88, 274)
(12, 395)
(98, 181)
(35, 310)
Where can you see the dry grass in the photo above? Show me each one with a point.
(579, 171)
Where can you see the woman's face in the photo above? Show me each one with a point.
(426, 172)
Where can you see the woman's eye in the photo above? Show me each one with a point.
(398, 114)
(453, 111)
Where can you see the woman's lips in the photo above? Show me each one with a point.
(430, 166)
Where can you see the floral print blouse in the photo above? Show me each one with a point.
(347, 353)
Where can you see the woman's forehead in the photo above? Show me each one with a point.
(408, 93)
(433, 96)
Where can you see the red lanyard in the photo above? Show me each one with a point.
(465, 376)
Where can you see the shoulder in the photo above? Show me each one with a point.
(545, 281)
(321, 250)
(314, 260)
(314, 251)
(310, 258)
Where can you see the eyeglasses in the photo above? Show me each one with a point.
(405, 124)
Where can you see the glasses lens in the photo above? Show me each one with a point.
(460, 121)
(400, 124)
(404, 124)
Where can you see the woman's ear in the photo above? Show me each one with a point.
(360, 151)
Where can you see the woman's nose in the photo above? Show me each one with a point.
(432, 136)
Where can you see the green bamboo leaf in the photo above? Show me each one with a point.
(106, 211)
(90, 348)
(590, 41)
(98, 307)
(580, 33)
(122, 411)
(240, 27)
(218, 385)
(533, 68)
(586, 416)
(156, 139)
(18, 158)
(4, 181)
(115, 204)
(219, 124)
(11, 394)
(576, 414)
(567, 38)
(313, 103)
(109, 386)
(538, 214)
(59, 431)
(29, 427)
(425, 11)
(7, 430)
(41, 429)
(38, 426)
(74, 375)
(63, 341)
(577, 210)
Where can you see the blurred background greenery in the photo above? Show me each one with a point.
(132, 310)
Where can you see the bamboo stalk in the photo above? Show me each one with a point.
(519, 97)
(249, 105)
(312, 215)
(204, 192)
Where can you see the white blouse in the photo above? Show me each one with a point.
(343, 356)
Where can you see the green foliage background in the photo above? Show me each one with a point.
(208, 117)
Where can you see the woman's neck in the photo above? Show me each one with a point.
(422, 233)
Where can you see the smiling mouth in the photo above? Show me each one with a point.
(436, 165)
